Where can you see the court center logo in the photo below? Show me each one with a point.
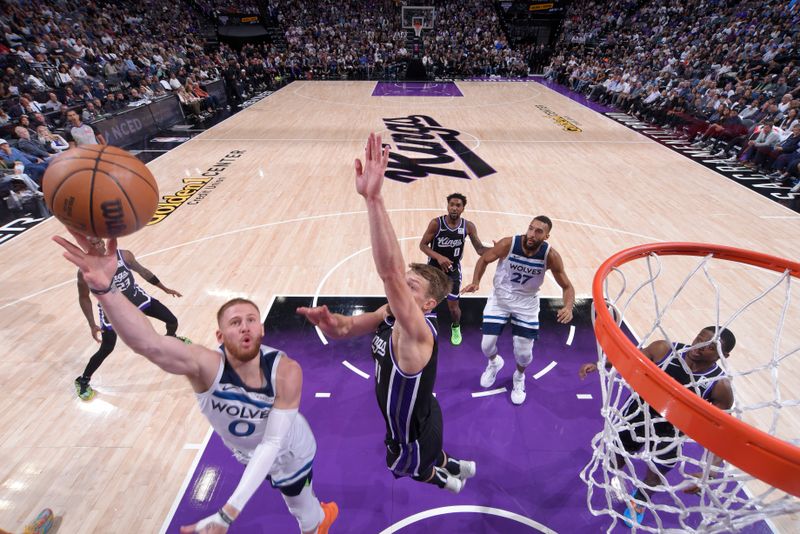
(421, 149)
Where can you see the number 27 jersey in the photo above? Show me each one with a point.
(521, 275)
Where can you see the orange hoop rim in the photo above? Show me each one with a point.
(763, 456)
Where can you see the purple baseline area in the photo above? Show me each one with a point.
(528, 457)
(416, 89)
(577, 97)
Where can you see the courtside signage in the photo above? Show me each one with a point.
(198, 187)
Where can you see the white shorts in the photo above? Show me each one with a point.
(293, 462)
(523, 314)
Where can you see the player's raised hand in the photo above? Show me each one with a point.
(369, 175)
(322, 317)
(470, 288)
(97, 262)
(564, 315)
(586, 368)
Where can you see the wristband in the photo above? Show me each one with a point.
(110, 287)
(225, 517)
(154, 280)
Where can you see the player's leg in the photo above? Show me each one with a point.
(312, 516)
(157, 310)
(495, 317)
(453, 306)
(525, 331)
(107, 344)
(426, 452)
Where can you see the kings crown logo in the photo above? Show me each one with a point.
(421, 149)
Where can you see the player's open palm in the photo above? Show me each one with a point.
(98, 269)
(369, 175)
(321, 317)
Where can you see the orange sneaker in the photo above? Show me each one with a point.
(331, 513)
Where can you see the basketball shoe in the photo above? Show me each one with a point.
(455, 335)
(41, 524)
(490, 374)
(331, 511)
(518, 393)
(83, 389)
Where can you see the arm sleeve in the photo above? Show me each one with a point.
(278, 425)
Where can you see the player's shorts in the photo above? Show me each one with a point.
(663, 441)
(415, 459)
(523, 314)
(295, 461)
(455, 276)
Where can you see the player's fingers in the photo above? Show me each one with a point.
(68, 245)
(188, 529)
(80, 239)
(112, 247)
(368, 148)
(359, 167)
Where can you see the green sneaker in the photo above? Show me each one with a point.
(83, 389)
(185, 339)
(455, 335)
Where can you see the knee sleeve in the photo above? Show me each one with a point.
(489, 345)
(306, 509)
(523, 351)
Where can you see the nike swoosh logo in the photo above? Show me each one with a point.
(226, 387)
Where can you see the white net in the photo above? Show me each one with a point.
(692, 490)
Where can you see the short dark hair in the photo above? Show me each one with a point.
(545, 219)
(726, 338)
(234, 302)
(439, 284)
(459, 196)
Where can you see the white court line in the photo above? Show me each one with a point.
(489, 392)
(329, 273)
(311, 218)
(321, 395)
(355, 369)
(544, 371)
(195, 462)
(779, 216)
(192, 446)
(584, 396)
(510, 141)
(468, 508)
(571, 334)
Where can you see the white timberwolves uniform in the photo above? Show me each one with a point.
(238, 413)
(515, 297)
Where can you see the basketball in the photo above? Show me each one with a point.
(100, 191)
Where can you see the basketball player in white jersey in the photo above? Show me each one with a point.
(404, 345)
(444, 242)
(524, 260)
(249, 392)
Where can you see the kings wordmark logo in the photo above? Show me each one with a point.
(421, 149)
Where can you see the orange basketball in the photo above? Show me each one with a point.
(100, 190)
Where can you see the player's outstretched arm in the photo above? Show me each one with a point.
(338, 326)
(499, 250)
(472, 232)
(556, 266)
(387, 256)
(145, 273)
(170, 354)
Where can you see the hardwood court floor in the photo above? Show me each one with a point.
(277, 214)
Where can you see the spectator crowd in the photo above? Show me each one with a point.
(724, 74)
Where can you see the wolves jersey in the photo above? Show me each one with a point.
(518, 274)
(238, 413)
(449, 242)
(126, 284)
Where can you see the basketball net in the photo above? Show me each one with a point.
(417, 25)
(718, 290)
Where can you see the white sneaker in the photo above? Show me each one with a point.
(518, 393)
(490, 374)
(454, 484)
(467, 469)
